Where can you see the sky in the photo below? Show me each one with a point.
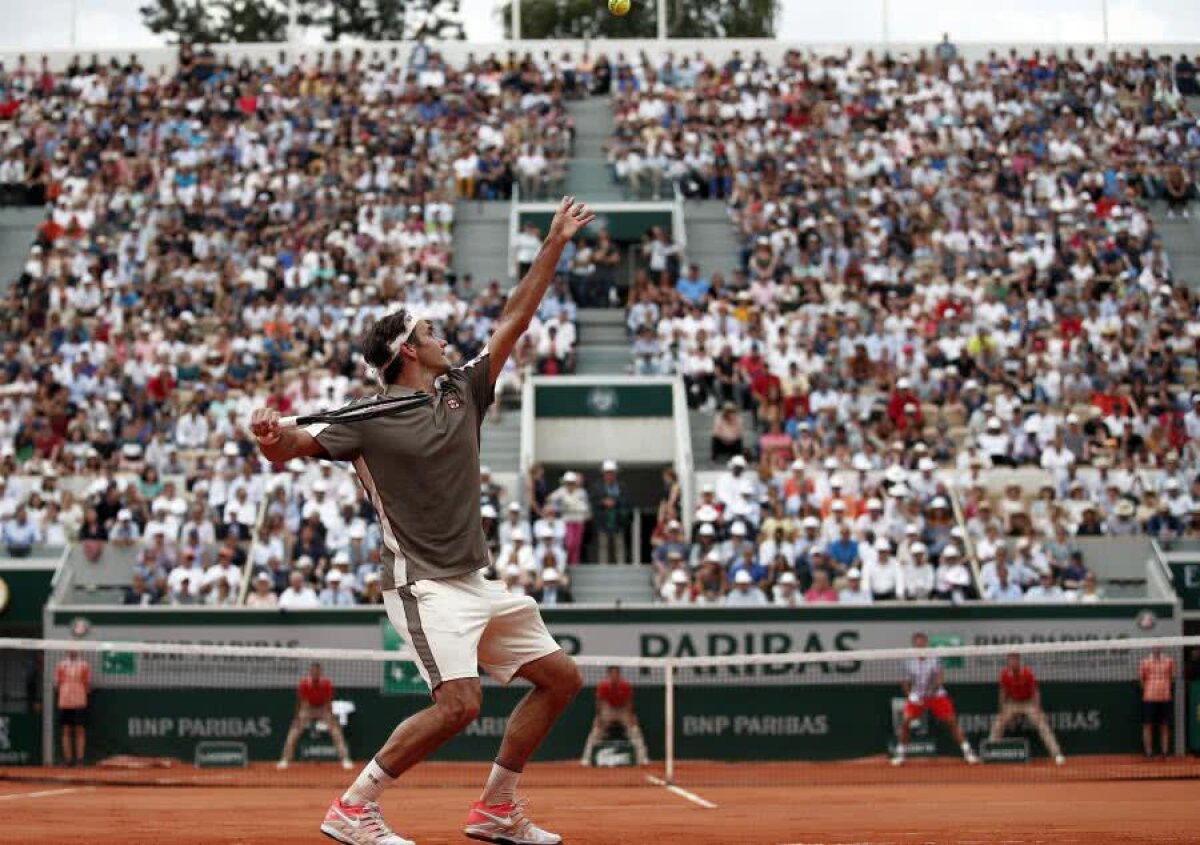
(45, 24)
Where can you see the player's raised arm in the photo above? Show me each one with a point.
(282, 444)
(527, 295)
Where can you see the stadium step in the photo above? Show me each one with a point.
(17, 229)
(603, 360)
(1181, 240)
(711, 240)
(700, 424)
(481, 241)
(610, 584)
(603, 347)
(588, 175)
(500, 442)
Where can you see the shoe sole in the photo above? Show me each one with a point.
(499, 840)
(335, 837)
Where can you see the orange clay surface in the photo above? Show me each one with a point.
(777, 804)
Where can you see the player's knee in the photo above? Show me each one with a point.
(459, 706)
(568, 681)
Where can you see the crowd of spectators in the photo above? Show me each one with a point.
(217, 237)
(947, 267)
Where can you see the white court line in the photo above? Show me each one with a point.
(682, 793)
(45, 793)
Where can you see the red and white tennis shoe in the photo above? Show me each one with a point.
(506, 824)
(359, 824)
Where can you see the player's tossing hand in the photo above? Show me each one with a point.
(264, 425)
(570, 218)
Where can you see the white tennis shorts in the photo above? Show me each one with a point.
(457, 625)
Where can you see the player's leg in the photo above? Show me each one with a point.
(299, 723)
(82, 743)
(634, 731)
(1000, 724)
(912, 710)
(1039, 720)
(443, 625)
(1148, 728)
(1164, 729)
(943, 710)
(339, 739)
(599, 726)
(68, 748)
(517, 644)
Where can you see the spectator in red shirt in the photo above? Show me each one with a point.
(314, 703)
(901, 397)
(614, 706)
(1020, 697)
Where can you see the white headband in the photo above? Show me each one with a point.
(376, 373)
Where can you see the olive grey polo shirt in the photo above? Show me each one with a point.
(421, 472)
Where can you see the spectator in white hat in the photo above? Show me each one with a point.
(545, 546)
(337, 592)
(262, 596)
(298, 595)
(552, 590)
(519, 552)
(744, 592)
(855, 591)
(677, 589)
(919, 574)
(785, 591)
(882, 574)
(729, 483)
(610, 515)
(953, 578)
(512, 520)
(571, 500)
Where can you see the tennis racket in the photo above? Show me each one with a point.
(369, 410)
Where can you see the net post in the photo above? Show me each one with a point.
(47, 710)
(669, 724)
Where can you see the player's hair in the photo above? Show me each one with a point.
(376, 344)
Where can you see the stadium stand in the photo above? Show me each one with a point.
(944, 349)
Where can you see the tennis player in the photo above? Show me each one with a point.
(923, 684)
(421, 471)
(314, 703)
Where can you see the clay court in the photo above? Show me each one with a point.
(863, 802)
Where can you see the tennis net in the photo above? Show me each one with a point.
(192, 714)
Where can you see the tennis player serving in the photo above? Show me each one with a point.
(419, 463)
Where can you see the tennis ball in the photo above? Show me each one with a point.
(619, 7)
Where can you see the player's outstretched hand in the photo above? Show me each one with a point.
(570, 218)
(264, 424)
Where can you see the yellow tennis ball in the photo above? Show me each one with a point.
(619, 7)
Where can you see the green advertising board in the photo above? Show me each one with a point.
(603, 400)
(20, 739)
(1187, 583)
(24, 590)
(400, 677)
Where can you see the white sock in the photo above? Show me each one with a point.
(501, 786)
(966, 748)
(899, 750)
(369, 785)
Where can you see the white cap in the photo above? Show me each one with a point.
(812, 522)
(883, 545)
(838, 505)
(874, 504)
(706, 530)
(358, 531)
(910, 529)
(319, 487)
(993, 422)
(737, 461)
(679, 577)
(485, 470)
(831, 463)
(341, 559)
(487, 512)
(707, 513)
(787, 578)
(926, 465)
(797, 464)
(939, 502)
(836, 481)
(514, 507)
(262, 576)
(179, 507)
(738, 529)
(295, 465)
(549, 574)
(230, 450)
(304, 562)
(334, 576)
(903, 383)
(918, 548)
(570, 476)
(708, 488)
(608, 466)
(951, 550)
(854, 573)
(742, 577)
(124, 513)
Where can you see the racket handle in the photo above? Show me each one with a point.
(289, 422)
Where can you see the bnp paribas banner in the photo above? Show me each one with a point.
(835, 707)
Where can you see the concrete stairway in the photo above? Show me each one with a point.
(17, 227)
(481, 241)
(711, 240)
(700, 424)
(1181, 239)
(603, 347)
(588, 175)
(500, 441)
(612, 584)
